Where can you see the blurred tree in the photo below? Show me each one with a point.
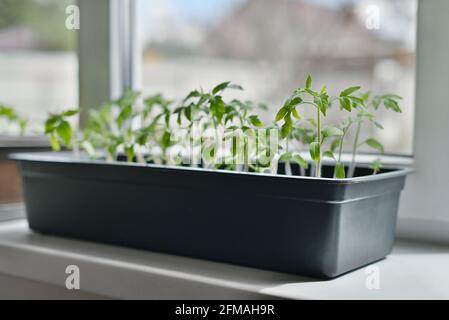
(45, 17)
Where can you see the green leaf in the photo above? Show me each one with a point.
(262, 106)
(87, 145)
(203, 98)
(287, 127)
(392, 105)
(373, 143)
(349, 91)
(332, 132)
(292, 103)
(340, 170)
(235, 87)
(166, 140)
(336, 144)
(323, 90)
(234, 145)
(70, 113)
(357, 102)
(322, 104)
(179, 117)
(124, 114)
(376, 102)
(311, 92)
(23, 123)
(329, 154)
(255, 121)
(376, 166)
(309, 82)
(8, 113)
(378, 125)
(54, 143)
(346, 103)
(315, 151)
(218, 108)
(312, 121)
(296, 157)
(286, 157)
(188, 113)
(392, 96)
(220, 87)
(365, 96)
(192, 94)
(296, 114)
(128, 98)
(64, 131)
(228, 118)
(129, 151)
(142, 136)
(51, 123)
(281, 114)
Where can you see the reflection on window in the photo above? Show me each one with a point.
(269, 47)
(39, 68)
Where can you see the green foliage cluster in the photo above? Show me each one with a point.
(145, 129)
(10, 116)
(360, 108)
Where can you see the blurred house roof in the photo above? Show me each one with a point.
(295, 29)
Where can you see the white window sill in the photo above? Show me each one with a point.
(413, 271)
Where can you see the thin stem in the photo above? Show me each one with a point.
(166, 157)
(216, 143)
(76, 150)
(245, 156)
(309, 103)
(288, 168)
(340, 149)
(139, 156)
(354, 150)
(302, 171)
(318, 164)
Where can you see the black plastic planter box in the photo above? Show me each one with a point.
(314, 227)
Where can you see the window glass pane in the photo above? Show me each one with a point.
(38, 62)
(269, 47)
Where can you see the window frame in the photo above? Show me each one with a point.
(121, 70)
(428, 188)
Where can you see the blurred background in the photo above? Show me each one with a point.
(267, 46)
(38, 61)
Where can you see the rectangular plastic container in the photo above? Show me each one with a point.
(301, 225)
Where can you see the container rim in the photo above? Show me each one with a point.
(66, 158)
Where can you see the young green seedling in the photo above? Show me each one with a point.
(58, 128)
(376, 166)
(97, 132)
(11, 117)
(238, 115)
(321, 101)
(337, 147)
(122, 125)
(210, 107)
(108, 126)
(303, 133)
(348, 101)
(364, 113)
